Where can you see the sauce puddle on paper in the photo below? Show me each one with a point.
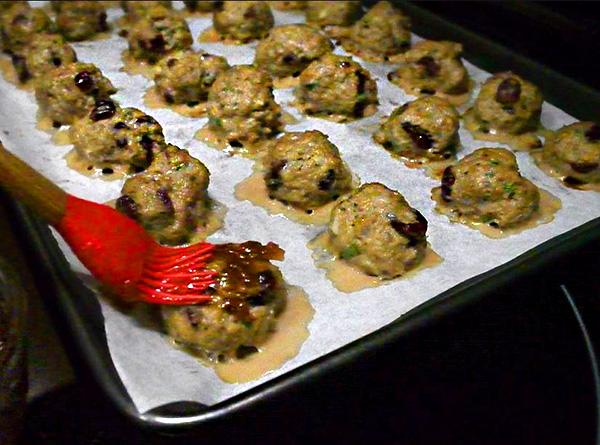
(568, 181)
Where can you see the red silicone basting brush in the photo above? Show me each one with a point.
(118, 252)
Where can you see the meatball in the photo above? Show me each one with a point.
(185, 77)
(112, 137)
(70, 91)
(509, 104)
(243, 20)
(288, 49)
(425, 129)
(42, 54)
(431, 67)
(382, 32)
(288, 6)
(247, 299)
(241, 107)
(157, 35)
(376, 230)
(135, 10)
(574, 152)
(486, 187)
(305, 170)
(80, 20)
(19, 23)
(170, 198)
(337, 13)
(201, 6)
(336, 87)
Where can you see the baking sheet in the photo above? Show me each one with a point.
(153, 372)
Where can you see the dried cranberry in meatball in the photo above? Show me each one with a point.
(43, 53)
(117, 138)
(19, 23)
(80, 20)
(243, 20)
(288, 49)
(185, 77)
(201, 6)
(305, 170)
(425, 129)
(382, 32)
(377, 231)
(242, 312)
(431, 67)
(241, 106)
(574, 152)
(156, 35)
(340, 13)
(70, 91)
(487, 187)
(170, 198)
(338, 88)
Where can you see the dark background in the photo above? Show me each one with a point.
(511, 369)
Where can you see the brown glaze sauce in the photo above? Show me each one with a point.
(210, 35)
(60, 136)
(134, 66)
(10, 75)
(152, 99)
(108, 172)
(566, 180)
(453, 99)
(369, 110)
(348, 278)
(215, 140)
(549, 205)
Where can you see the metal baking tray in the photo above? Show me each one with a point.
(78, 307)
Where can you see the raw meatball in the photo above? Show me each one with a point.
(426, 128)
(376, 230)
(288, 6)
(112, 137)
(247, 299)
(201, 6)
(243, 21)
(71, 91)
(80, 20)
(382, 32)
(288, 49)
(42, 54)
(306, 170)
(432, 66)
(138, 9)
(486, 186)
(186, 77)
(574, 151)
(336, 85)
(509, 104)
(333, 13)
(156, 35)
(170, 198)
(241, 106)
(19, 23)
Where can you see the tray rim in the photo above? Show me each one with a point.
(65, 284)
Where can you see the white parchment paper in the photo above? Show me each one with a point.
(153, 371)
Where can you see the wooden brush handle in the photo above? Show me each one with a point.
(31, 188)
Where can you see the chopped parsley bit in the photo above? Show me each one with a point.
(487, 219)
(490, 174)
(494, 162)
(215, 121)
(247, 324)
(361, 97)
(311, 86)
(510, 189)
(349, 252)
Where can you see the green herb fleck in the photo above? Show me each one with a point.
(362, 97)
(311, 86)
(349, 252)
(490, 174)
(215, 122)
(494, 162)
(487, 219)
(510, 189)
(247, 324)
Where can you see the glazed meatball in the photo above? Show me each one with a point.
(288, 49)
(336, 86)
(42, 54)
(425, 129)
(71, 91)
(241, 106)
(288, 6)
(305, 170)
(157, 35)
(170, 198)
(486, 187)
(243, 21)
(337, 13)
(135, 10)
(19, 23)
(376, 230)
(80, 20)
(432, 66)
(574, 151)
(382, 32)
(509, 104)
(112, 137)
(201, 6)
(247, 299)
